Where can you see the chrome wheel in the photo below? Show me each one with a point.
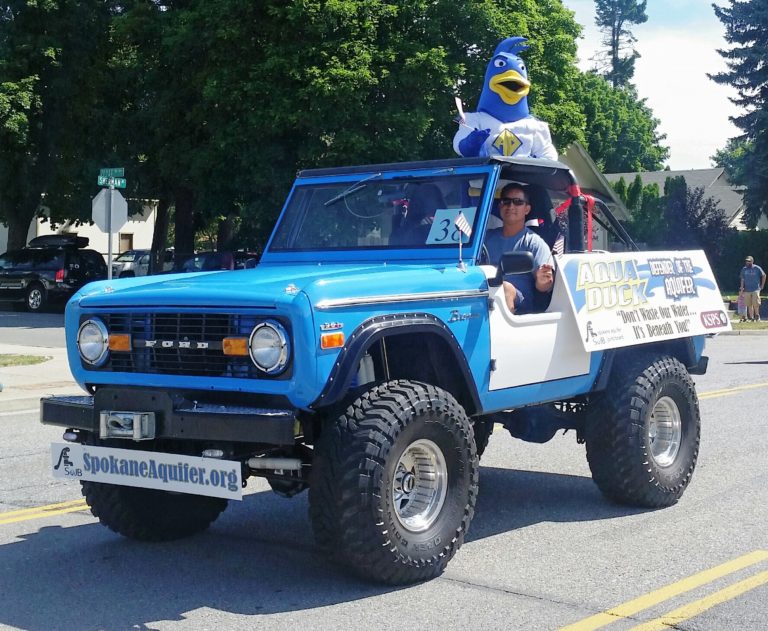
(665, 432)
(419, 485)
(34, 299)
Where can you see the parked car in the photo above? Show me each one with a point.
(131, 263)
(50, 269)
(210, 261)
(136, 263)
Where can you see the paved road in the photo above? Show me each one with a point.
(545, 549)
(31, 329)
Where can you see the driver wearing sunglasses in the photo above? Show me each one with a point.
(514, 207)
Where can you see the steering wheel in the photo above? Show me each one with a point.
(485, 257)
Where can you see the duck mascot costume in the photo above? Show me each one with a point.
(503, 125)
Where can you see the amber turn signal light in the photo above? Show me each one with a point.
(331, 340)
(120, 342)
(235, 345)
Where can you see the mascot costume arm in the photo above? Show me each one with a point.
(503, 125)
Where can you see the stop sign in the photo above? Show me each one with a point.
(119, 210)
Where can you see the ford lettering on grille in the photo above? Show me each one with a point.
(174, 344)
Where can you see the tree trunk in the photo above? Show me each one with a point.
(18, 228)
(159, 237)
(226, 232)
(184, 240)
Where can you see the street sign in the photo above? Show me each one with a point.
(119, 208)
(109, 211)
(118, 172)
(117, 182)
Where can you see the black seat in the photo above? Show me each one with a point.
(423, 201)
(542, 218)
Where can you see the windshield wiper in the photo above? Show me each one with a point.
(352, 189)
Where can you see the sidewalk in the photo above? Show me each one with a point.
(23, 386)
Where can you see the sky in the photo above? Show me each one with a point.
(678, 47)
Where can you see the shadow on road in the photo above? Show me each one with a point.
(511, 499)
(258, 558)
(24, 320)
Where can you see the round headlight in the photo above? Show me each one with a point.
(269, 347)
(93, 342)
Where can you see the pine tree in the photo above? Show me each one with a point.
(613, 18)
(746, 30)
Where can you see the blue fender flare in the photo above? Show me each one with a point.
(376, 328)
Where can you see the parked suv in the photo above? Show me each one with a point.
(369, 356)
(50, 269)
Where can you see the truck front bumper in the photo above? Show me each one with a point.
(174, 417)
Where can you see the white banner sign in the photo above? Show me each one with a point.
(148, 469)
(622, 299)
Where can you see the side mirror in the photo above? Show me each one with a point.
(512, 263)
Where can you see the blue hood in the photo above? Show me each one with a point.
(265, 286)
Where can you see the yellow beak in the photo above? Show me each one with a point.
(511, 86)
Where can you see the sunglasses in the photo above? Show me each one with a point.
(515, 201)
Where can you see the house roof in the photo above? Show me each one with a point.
(713, 181)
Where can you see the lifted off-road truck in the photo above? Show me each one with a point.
(367, 358)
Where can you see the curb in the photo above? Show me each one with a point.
(763, 332)
(29, 401)
(20, 405)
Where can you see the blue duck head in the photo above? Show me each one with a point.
(506, 87)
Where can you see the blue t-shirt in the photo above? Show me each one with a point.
(751, 277)
(526, 241)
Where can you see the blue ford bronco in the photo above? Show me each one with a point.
(368, 357)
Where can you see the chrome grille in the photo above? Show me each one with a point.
(211, 328)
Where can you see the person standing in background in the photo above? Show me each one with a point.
(752, 279)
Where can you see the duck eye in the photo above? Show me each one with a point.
(522, 67)
(499, 63)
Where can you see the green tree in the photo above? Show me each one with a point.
(734, 158)
(613, 18)
(212, 107)
(274, 87)
(680, 218)
(51, 72)
(746, 30)
(621, 189)
(635, 193)
(647, 224)
(621, 133)
(693, 219)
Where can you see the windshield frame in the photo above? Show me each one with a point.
(446, 254)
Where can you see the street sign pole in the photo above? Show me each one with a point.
(113, 178)
(109, 231)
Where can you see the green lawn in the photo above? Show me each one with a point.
(748, 326)
(744, 326)
(21, 360)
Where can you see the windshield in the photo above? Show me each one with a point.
(372, 212)
(32, 259)
(128, 257)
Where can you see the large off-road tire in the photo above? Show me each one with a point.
(394, 483)
(483, 428)
(149, 514)
(642, 435)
